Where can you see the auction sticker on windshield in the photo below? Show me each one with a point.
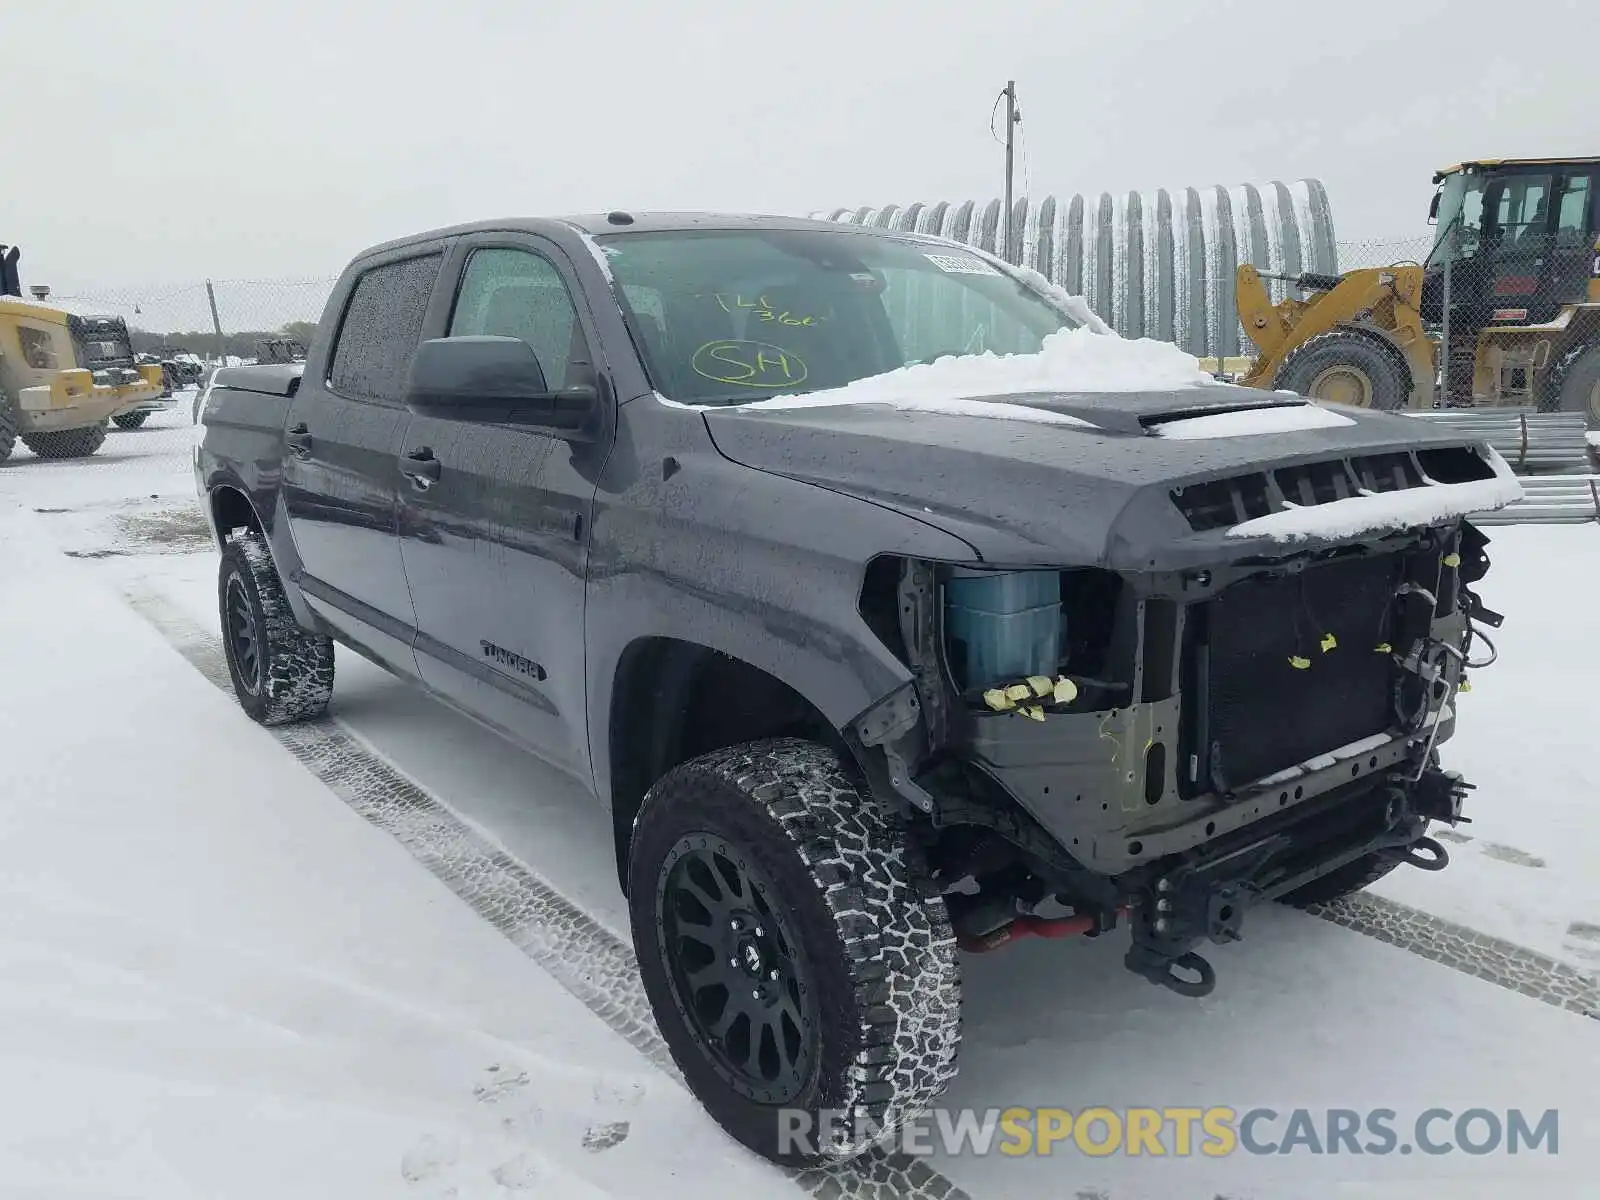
(960, 264)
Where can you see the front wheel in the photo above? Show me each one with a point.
(800, 967)
(1345, 367)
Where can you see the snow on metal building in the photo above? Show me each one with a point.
(1152, 264)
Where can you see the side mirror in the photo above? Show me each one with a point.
(1433, 209)
(496, 381)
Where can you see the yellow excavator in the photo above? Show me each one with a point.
(62, 375)
(1505, 311)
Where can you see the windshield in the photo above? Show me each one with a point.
(728, 316)
(1460, 212)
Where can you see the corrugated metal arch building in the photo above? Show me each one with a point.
(1153, 264)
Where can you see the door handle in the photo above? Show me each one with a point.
(299, 440)
(421, 467)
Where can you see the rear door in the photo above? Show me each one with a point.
(341, 483)
(496, 546)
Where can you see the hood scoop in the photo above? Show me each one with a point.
(1142, 413)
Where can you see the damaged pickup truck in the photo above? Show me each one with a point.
(890, 604)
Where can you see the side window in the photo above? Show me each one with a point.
(381, 329)
(513, 293)
(1572, 218)
(1524, 207)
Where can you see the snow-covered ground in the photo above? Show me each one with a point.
(218, 980)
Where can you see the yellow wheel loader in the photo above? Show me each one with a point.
(1506, 310)
(62, 375)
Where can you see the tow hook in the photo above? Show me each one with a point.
(1434, 858)
(1163, 969)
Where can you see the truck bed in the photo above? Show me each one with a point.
(275, 379)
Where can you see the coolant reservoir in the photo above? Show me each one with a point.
(1003, 625)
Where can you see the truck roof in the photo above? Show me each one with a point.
(1440, 175)
(618, 221)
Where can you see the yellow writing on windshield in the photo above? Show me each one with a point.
(748, 364)
(763, 310)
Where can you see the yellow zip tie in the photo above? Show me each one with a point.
(1452, 560)
(1328, 642)
(1298, 663)
(1383, 648)
(1464, 685)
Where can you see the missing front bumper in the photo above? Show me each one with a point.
(1204, 896)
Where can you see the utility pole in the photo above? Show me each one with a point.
(1013, 116)
(216, 321)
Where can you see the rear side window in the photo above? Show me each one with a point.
(381, 329)
(1572, 221)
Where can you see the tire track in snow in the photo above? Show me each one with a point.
(588, 960)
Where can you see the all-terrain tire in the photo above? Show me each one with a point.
(288, 675)
(1345, 361)
(1573, 384)
(1346, 881)
(8, 426)
(67, 443)
(130, 420)
(853, 897)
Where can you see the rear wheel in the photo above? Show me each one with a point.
(1574, 384)
(67, 443)
(130, 420)
(281, 674)
(8, 426)
(1344, 367)
(795, 957)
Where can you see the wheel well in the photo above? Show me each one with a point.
(231, 509)
(673, 701)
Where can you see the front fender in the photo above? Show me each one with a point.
(765, 569)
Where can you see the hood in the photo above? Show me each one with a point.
(1131, 481)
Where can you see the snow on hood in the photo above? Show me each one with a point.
(1070, 360)
(1286, 418)
(1371, 511)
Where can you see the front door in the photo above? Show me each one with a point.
(1517, 244)
(496, 546)
(342, 435)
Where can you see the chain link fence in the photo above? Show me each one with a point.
(195, 326)
(209, 318)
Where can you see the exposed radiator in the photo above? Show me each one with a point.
(1295, 668)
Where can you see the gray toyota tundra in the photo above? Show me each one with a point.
(863, 683)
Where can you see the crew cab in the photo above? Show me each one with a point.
(890, 605)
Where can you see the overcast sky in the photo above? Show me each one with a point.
(160, 141)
